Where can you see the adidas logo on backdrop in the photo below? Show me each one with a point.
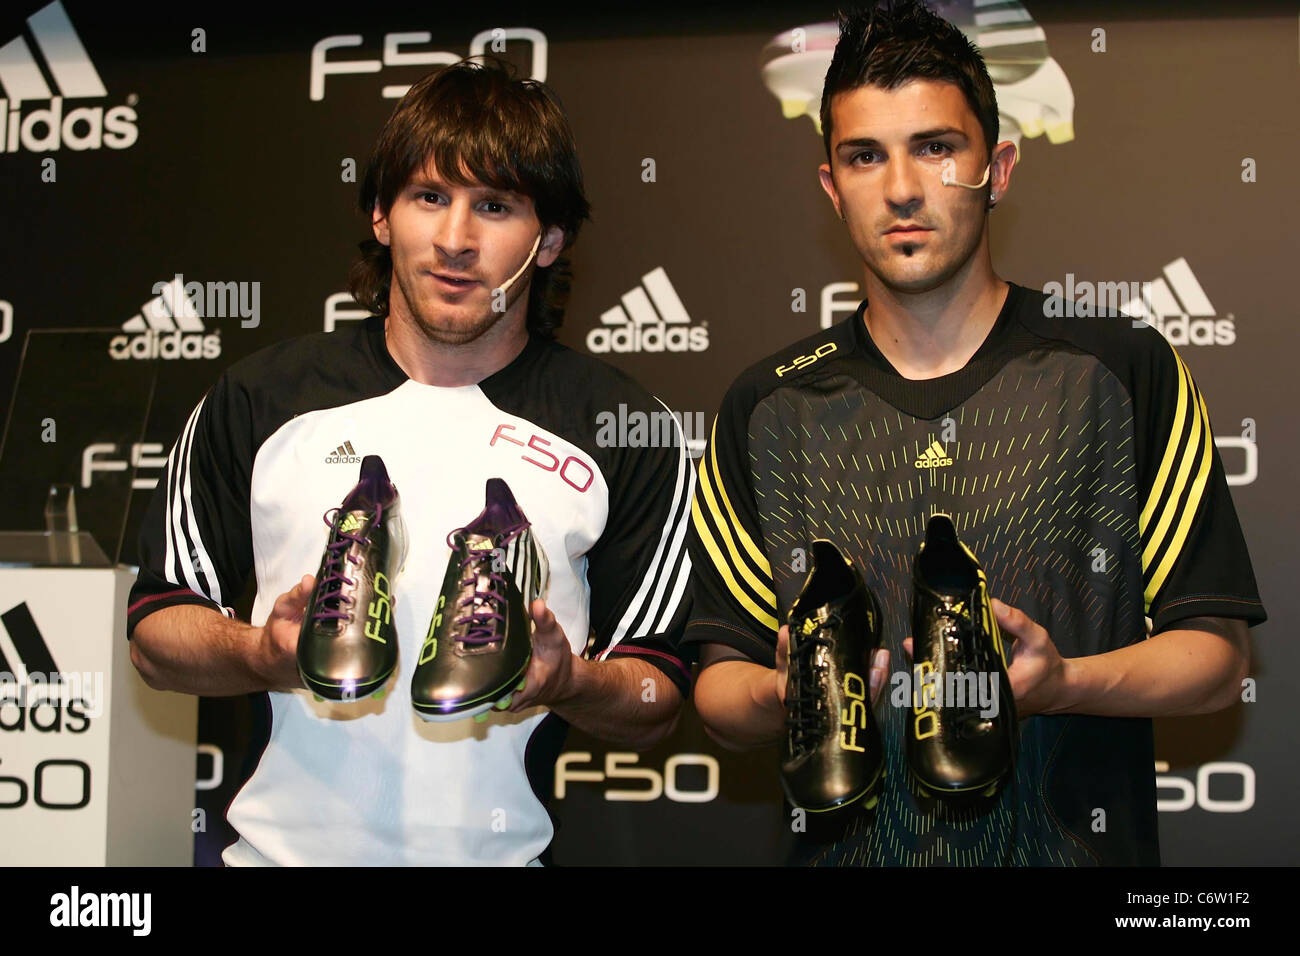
(41, 697)
(1178, 308)
(167, 327)
(1190, 321)
(651, 319)
(75, 78)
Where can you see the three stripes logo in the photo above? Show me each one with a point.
(345, 454)
(651, 319)
(1187, 318)
(933, 457)
(33, 653)
(73, 76)
(43, 697)
(168, 326)
(1179, 486)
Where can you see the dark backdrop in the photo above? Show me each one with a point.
(1167, 154)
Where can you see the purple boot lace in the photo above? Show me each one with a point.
(329, 589)
(484, 606)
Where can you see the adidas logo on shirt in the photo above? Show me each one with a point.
(74, 76)
(345, 454)
(167, 327)
(651, 319)
(933, 457)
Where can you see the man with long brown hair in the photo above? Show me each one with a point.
(473, 192)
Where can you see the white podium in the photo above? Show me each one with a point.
(96, 768)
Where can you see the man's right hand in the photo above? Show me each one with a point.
(195, 649)
(742, 703)
(280, 636)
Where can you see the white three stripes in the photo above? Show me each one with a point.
(183, 538)
(672, 539)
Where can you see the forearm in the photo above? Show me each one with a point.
(623, 701)
(1176, 673)
(737, 702)
(196, 650)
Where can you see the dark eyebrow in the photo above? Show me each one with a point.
(486, 192)
(867, 141)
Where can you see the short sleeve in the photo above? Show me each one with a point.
(735, 601)
(196, 541)
(1194, 558)
(639, 570)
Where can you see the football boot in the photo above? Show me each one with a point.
(347, 647)
(953, 746)
(832, 754)
(479, 643)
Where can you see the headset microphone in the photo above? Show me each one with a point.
(948, 178)
(527, 262)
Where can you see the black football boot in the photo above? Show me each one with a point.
(832, 754)
(347, 648)
(953, 749)
(480, 640)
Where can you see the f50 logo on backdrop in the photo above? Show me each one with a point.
(1245, 442)
(341, 307)
(653, 783)
(494, 40)
(1198, 794)
(101, 456)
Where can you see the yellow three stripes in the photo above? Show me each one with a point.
(759, 599)
(1192, 460)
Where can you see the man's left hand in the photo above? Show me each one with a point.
(1037, 672)
(549, 679)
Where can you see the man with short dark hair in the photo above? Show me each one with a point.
(1075, 458)
(473, 192)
